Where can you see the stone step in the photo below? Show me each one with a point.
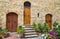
(28, 28)
(30, 33)
(31, 36)
(27, 25)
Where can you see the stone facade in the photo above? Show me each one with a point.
(42, 7)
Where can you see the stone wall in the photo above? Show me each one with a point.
(42, 7)
(57, 10)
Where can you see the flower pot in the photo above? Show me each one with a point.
(22, 35)
(6, 35)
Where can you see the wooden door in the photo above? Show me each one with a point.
(27, 6)
(27, 16)
(49, 20)
(11, 21)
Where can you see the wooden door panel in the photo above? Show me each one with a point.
(27, 20)
(27, 11)
(14, 23)
(27, 16)
(11, 22)
(49, 20)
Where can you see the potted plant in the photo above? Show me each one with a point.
(38, 28)
(20, 31)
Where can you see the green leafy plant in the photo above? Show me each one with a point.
(0, 29)
(55, 24)
(38, 27)
(50, 37)
(42, 28)
(20, 29)
(46, 28)
(1, 33)
(56, 28)
(58, 32)
(5, 30)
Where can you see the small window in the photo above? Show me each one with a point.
(38, 15)
(49, 15)
(27, 4)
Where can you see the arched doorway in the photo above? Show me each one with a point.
(11, 21)
(27, 6)
(48, 19)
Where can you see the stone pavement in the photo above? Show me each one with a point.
(15, 36)
(12, 36)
